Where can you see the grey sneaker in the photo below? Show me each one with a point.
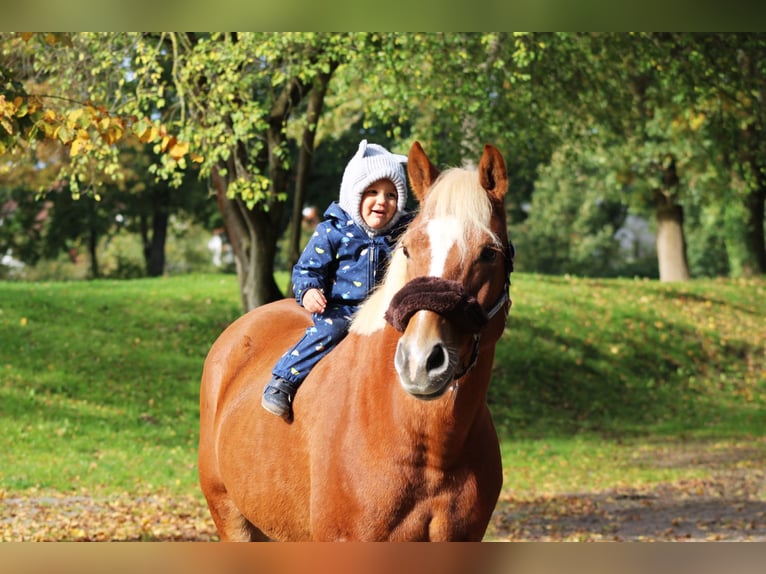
(278, 398)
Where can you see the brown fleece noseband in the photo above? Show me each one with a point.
(442, 296)
(448, 299)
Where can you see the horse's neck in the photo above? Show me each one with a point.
(441, 427)
(467, 400)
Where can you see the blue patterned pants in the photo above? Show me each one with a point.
(328, 330)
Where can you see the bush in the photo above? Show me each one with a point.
(60, 269)
(186, 249)
(121, 257)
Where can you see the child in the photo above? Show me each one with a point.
(344, 259)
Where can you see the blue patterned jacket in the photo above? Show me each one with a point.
(342, 259)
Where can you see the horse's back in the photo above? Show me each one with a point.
(258, 332)
(243, 470)
(248, 348)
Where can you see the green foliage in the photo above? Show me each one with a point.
(186, 252)
(122, 257)
(674, 112)
(577, 192)
(651, 117)
(60, 268)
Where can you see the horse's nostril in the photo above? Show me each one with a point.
(436, 359)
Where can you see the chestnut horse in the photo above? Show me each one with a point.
(391, 437)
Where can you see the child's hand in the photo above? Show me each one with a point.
(314, 301)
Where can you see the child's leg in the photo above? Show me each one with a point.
(327, 331)
(289, 372)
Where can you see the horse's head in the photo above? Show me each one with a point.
(453, 267)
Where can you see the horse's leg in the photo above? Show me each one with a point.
(229, 521)
(232, 526)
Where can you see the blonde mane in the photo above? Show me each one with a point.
(456, 194)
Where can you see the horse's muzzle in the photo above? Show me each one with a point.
(425, 368)
(426, 365)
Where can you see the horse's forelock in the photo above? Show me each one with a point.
(456, 195)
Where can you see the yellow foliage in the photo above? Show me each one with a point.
(696, 121)
(81, 143)
(147, 131)
(178, 150)
(73, 117)
(33, 104)
(7, 126)
(7, 108)
(167, 142)
(113, 134)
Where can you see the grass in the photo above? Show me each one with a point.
(593, 380)
(100, 380)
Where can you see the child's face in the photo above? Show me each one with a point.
(379, 201)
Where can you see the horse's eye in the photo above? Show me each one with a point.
(488, 255)
(406, 251)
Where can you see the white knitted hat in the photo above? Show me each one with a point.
(370, 163)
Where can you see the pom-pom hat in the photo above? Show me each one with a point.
(370, 163)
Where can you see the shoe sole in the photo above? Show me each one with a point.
(275, 410)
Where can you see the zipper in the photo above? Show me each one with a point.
(373, 267)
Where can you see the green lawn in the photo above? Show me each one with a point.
(99, 380)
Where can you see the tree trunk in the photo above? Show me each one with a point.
(756, 206)
(671, 243)
(253, 233)
(93, 240)
(93, 250)
(305, 155)
(154, 246)
(155, 265)
(253, 236)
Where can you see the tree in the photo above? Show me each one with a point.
(577, 208)
(245, 107)
(729, 74)
(655, 98)
(50, 83)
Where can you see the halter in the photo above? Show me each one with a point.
(448, 299)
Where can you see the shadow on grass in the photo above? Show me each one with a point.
(623, 376)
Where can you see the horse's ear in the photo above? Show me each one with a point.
(422, 172)
(492, 173)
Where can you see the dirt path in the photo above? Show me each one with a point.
(81, 518)
(730, 506)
